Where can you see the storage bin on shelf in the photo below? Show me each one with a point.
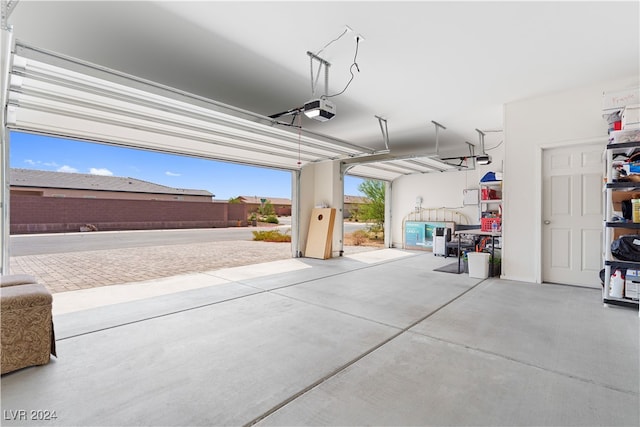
(489, 194)
(486, 223)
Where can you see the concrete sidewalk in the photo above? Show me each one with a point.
(90, 269)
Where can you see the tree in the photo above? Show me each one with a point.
(373, 211)
(235, 200)
(266, 208)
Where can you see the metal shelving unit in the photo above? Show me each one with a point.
(485, 203)
(611, 186)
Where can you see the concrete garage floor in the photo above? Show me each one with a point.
(373, 338)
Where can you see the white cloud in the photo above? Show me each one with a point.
(32, 162)
(68, 169)
(172, 173)
(100, 171)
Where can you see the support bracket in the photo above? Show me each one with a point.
(322, 61)
(385, 131)
(481, 138)
(471, 148)
(438, 127)
(7, 7)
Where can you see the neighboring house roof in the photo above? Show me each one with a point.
(256, 200)
(356, 199)
(81, 181)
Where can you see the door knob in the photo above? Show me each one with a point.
(547, 222)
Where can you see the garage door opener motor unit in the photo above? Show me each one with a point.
(320, 109)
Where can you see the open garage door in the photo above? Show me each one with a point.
(55, 95)
(61, 96)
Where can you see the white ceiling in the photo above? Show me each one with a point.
(453, 62)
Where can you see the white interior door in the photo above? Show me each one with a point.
(572, 215)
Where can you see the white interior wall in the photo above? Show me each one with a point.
(321, 184)
(388, 214)
(438, 190)
(564, 118)
(305, 200)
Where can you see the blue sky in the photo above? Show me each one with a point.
(225, 180)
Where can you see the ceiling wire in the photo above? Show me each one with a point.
(314, 79)
(494, 147)
(354, 64)
(346, 30)
(493, 131)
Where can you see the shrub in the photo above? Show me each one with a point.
(359, 237)
(272, 219)
(271, 236)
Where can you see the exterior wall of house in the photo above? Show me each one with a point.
(34, 214)
(68, 192)
(282, 210)
(351, 209)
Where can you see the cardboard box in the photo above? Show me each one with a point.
(631, 117)
(631, 113)
(625, 135)
(617, 232)
(618, 196)
(631, 289)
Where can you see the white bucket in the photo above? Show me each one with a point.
(478, 264)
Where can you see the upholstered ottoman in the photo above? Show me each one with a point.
(26, 327)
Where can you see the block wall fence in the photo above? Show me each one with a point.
(35, 214)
